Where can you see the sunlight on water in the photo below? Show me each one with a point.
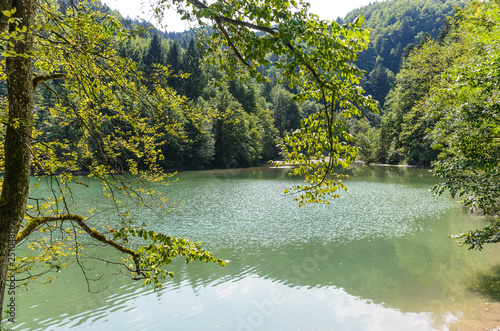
(227, 210)
(377, 258)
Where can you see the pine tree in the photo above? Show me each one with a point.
(174, 61)
(154, 54)
(193, 85)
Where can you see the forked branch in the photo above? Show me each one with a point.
(35, 223)
(39, 79)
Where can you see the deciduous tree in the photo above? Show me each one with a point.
(468, 131)
(114, 117)
(79, 45)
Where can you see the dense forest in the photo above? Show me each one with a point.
(396, 27)
(409, 127)
(237, 122)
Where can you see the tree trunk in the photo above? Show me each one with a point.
(4, 20)
(16, 179)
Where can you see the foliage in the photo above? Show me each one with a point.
(195, 82)
(468, 130)
(286, 112)
(405, 122)
(366, 138)
(174, 61)
(154, 54)
(380, 81)
(475, 239)
(396, 26)
(161, 251)
(109, 120)
(237, 134)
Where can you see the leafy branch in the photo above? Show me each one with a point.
(316, 55)
(147, 261)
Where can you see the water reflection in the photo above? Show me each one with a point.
(249, 303)
(488, 283)
(378, 258)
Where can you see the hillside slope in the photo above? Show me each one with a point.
(397, 25)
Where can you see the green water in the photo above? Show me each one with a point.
(377, 258)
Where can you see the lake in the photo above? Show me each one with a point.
(377, 258)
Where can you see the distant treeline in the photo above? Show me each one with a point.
(237, 122)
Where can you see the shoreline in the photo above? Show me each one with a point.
(482, 316)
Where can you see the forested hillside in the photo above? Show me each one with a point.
(396, 27)
(399, 29)
(229, 123)
(237, 122)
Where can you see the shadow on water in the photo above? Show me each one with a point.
(488, 284)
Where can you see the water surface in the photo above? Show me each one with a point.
(377, 258)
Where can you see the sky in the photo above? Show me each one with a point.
(325, 9)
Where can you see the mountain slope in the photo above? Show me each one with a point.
(395, 25)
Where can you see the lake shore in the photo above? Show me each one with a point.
(483, 316)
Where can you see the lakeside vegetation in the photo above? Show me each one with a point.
(237, 122)
(86, 91)
(264, 111)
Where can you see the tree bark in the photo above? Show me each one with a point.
(4, 20)
(16, 179)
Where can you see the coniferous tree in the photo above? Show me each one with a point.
(154, 54)
(380, 81)
(191, 64)
(174, 61)
(245, 93)
(286, 113)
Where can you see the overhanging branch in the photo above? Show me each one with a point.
(34, 223)
(39, 79)
(228, 39)
(274, 32)
(219, 19)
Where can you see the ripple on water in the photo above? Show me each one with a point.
(252, 213)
